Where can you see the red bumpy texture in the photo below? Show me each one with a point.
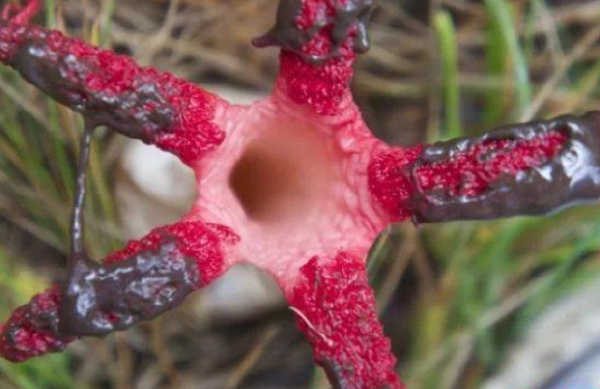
(103, 72)
(388, 182)
(335, 307)
(203, 242)
(34, 329)
(468, 173)
(31, 330)
(322, 86)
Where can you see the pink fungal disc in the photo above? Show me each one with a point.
(294, 185)
(291, 183)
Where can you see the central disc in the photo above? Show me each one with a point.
(281, 174)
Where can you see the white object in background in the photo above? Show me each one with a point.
(559, 338)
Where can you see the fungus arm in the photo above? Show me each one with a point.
(319, 40)
(139, 282)
(335, 309)
(109, 89)
(523, 169)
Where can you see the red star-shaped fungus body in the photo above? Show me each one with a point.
(294, 184)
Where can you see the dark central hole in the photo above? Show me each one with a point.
(284, 174)
(267, 183)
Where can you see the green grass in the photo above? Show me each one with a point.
(448, 47)
(506, 61)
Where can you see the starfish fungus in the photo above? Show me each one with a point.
(294, 184)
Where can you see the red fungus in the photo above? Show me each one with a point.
(294, 184)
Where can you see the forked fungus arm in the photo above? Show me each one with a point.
(149, 276)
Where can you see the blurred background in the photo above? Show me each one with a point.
(511, 304)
